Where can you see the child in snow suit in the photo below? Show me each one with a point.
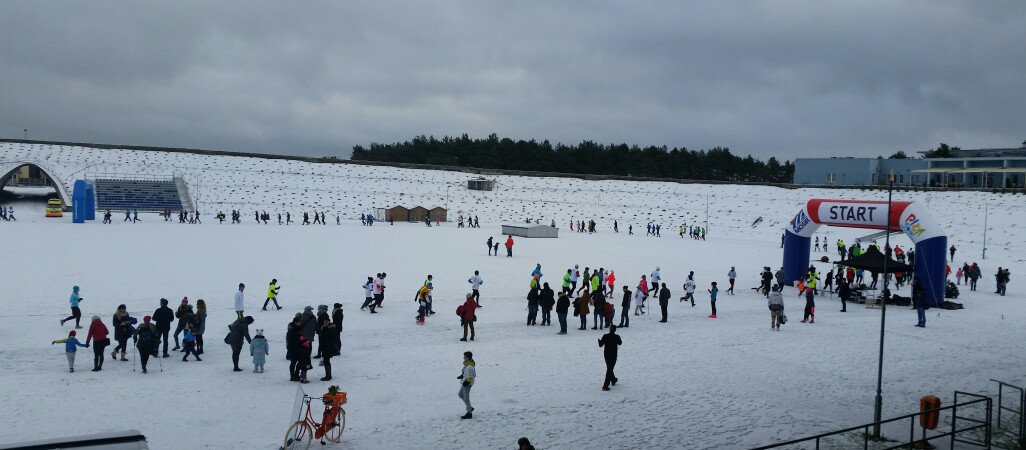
(190, 346)
(776, 307)
(70, 347)
(258, 350)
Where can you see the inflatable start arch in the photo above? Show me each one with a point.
(930, 241)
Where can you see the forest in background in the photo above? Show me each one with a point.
(716, 164)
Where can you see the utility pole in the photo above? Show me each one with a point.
(985, 213)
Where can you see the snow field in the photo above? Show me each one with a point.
(693, 382)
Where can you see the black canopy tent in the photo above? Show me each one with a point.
(874, 261)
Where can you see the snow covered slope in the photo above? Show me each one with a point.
(693, 382)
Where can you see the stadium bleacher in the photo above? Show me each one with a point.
(142, 195)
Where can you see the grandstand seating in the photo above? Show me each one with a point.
(142, 195)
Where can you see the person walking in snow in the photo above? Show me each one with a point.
(776, 307)
(643, 289)
(189, 341)
(122, 323)
(712, 299)
(468, 314)
(509, 246)
(199, 324)
(76, 313)
(731, 275)
(952, 251)
(368, 295)
(162, 318)
(625, 308)
(71, 345)
(574, 276)
(689, 289)
(146, 341)
(664, 301)
(475, 284)
(533, 296)
(468, 376)
(810, 307)
(379, 290)
(240, 301)
(272, 294)
(98, 336)
(610, 343)
(655, 279)
(239, 331)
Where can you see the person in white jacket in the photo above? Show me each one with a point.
(689, 288)
(468, 376)
(574, 276)
(732, 275)
(654, 279)
(475, 284)
(240, 301)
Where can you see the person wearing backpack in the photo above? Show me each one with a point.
(163, 317)
(467, 313)
(776, 307)
(146, 341)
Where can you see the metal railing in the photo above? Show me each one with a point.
(126, 176)
(1020, 411)
(954, 432)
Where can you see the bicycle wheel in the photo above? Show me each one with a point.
(299, 436)
(335, 433)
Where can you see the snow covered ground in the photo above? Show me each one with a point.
(693, 382)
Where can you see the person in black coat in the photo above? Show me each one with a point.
(293, 351)
(326, 346)
(163, 317)
(547, 300)
(239, 332)
(336, 319)
(322, 315)
(532, 305)
(664, 300)
(610, 342)
(562, 307)
(122, 323)
(625, 305)
(843, 291)
(599, 311)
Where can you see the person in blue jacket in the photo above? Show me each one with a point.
(75, 312)
(537, 273)
(71, 345)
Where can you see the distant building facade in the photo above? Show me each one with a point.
(983, 168)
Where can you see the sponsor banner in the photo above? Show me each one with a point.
(802, 224)
(918, 225)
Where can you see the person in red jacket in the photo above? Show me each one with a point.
(97, 333)
(466, 313)
(643, 288)
(509, 246)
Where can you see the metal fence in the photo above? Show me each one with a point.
(956, 433)
(1018, 412)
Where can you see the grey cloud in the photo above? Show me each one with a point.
(772, 78)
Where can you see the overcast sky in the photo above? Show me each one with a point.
(767, 78)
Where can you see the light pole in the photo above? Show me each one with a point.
(985, 214)
(883, 311)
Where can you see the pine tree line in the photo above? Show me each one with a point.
(588, 157)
